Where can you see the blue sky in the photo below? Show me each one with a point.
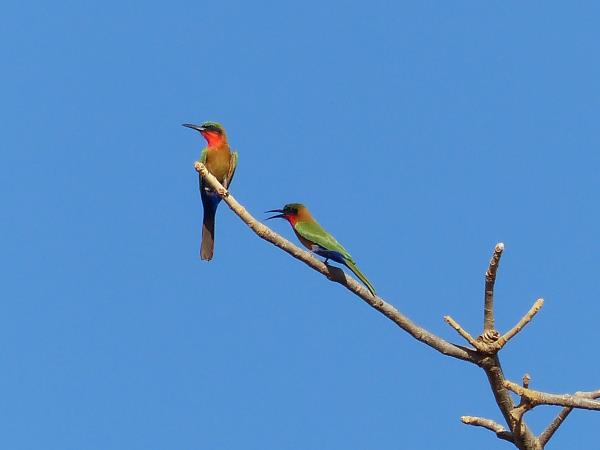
(419, 133)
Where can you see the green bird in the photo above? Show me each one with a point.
(221, 162)
(314, 237)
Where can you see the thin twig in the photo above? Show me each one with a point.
(337, 275)
(490, 279)
(460, 330)
(557, 422)
(500, 431)
(562, 415)
(521, 324)
(543, 398)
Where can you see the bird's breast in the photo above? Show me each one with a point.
(217, 162)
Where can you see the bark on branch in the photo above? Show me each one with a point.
(501, 342)
(460, 330)
(490, 280)
(492, 344)
(562, 415)
(500, 431)
(536, 398)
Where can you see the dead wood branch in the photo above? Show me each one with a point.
(490, 280)
(460, 330)
(501, 342)
(536, 398)
(562, 415)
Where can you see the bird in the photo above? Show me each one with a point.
(314, 237)
(221, 162)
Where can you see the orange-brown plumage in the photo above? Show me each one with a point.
(221, 162)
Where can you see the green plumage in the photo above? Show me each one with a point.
(314, 237)
(314, 232)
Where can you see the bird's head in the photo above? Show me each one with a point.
(292, 212)
(213, 132)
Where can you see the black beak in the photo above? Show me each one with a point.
(194, 127)
(278, 216)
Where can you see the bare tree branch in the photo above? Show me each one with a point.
(500, 431)
(460, 330)
(338, 275)
(490, 279)
(558, 420)
(519, 326)
(487, 345)
(562, 415)
(536, 398)
(490, 342)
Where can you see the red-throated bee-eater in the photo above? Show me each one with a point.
(316, 239)
(221, 162)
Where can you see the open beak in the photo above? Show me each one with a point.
(199, 128)
(277, 216)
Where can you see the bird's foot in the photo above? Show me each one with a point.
(222, 192)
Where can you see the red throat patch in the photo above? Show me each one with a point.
(212, 138)
(292, 219)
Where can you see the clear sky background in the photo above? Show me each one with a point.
(419, 133)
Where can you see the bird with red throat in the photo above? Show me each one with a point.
(314, 237)
(221, 162)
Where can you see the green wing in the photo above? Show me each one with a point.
(314, 232)
(232, 166)
(203, 155)
(202, 159)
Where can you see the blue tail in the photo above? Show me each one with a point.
(339, 258)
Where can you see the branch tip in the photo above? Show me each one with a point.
(490, 280)
(489, 424)
(460, 330)
(501, 342)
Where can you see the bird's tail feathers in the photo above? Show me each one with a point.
(208, 228)
(354, 268)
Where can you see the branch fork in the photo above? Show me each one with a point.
(491, 341)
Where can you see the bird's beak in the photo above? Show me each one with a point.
(278, 216)
(199, 128)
